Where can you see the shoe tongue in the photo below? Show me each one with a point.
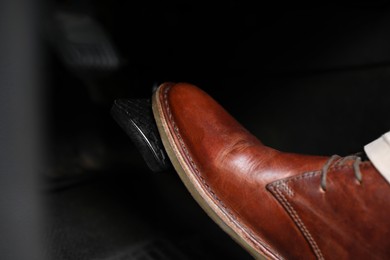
(378, 152)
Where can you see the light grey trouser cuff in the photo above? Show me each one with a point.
(378, 152)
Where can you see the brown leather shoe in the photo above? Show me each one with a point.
(276, 205)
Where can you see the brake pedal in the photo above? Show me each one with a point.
(135, 117)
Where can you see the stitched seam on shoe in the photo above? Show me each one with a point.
(274, 187)
(203, 181)
(294, 178)
(312, 174)
(290, 209)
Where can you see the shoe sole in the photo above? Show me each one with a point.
(194, 187)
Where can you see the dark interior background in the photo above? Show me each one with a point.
(306, 79)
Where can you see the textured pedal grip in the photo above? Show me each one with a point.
(135, 117)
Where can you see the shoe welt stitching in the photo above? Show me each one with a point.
(275, 188)
(207, 187)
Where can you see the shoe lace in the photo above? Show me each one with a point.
(356, 163)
